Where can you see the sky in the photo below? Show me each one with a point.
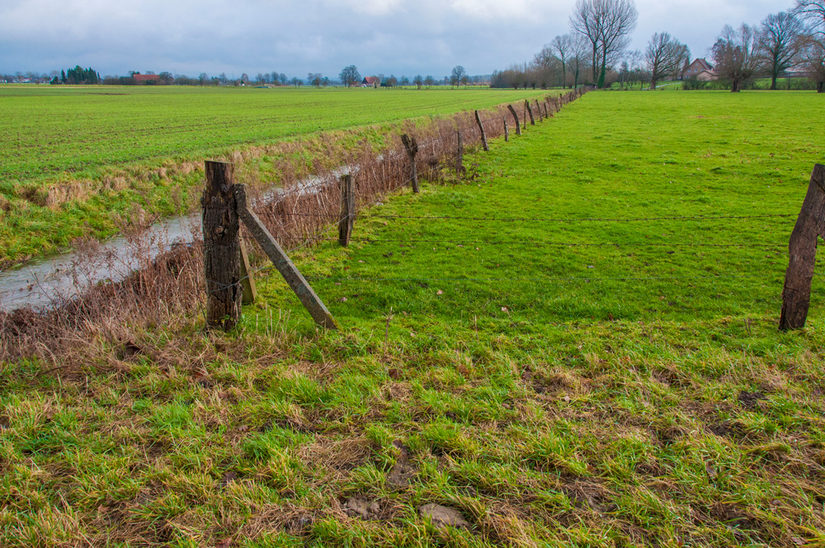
(427, 37)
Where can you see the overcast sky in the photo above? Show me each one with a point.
(296, 37)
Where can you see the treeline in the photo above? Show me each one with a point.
(789, 44)
(77, 75)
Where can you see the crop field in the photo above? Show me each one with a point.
(575, 345)
(55, 141)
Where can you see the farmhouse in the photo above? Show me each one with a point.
(371, 82)
(700, 70)
(146, 78)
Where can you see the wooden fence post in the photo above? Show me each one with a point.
(515, 117)
(412, 149)
(796, 295)
(483, 135)
(538, 110)
(347, 217)
(291, 274)
(506, 131)
(221, 247)
(530, 112)
(459, 154)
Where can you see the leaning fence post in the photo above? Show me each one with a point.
(283, 264)
(538, 110)
(347, 210)
(506, 131)
(796, 295)
(221, 247)
(530, 112)
(459, 154)
(411, 145)
(515, 117)
(483, 135)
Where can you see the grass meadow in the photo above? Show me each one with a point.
(80, 161)
(576, 344)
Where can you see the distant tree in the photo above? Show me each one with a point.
(390, 82)
(349, 76)
(404, 81)
(325, 81)
(418, 81)
(563, 46)
(315, 79)
(812, 58)
(664, 57)
(606, 25)
(457, 74)
(429, 81)
(79, 75)
(202, 78)
(735, 54)
(780, 42)
(165, 78)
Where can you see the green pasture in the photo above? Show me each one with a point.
(71, 136)
(575, 345)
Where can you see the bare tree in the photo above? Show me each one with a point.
(606, 25)
(563, 46)
(350, 76)
(779, 42)
(664, 57)
(735, 54)
(457, 75)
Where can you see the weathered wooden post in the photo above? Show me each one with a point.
(796, 295)
(506, 131)
(411, 145)
(459, 154)
(283, 264)
(530, 112)
(347, 217)
(538, 110)
(515, 117)
(483, 135)
(221, 247)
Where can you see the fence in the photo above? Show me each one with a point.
(298, 215)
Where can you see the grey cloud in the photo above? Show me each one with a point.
(379, 36)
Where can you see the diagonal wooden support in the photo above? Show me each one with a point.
(796, 295)
(291, 274)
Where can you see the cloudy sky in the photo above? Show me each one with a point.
(296, 37)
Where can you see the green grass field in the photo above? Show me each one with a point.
(568, 348)
(57, 143)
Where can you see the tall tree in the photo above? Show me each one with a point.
(779, 42)
(735, 54)
(664, 57)
(813, 43)
(563, 46)
(457, 75)
(606, 25)
(350, 76)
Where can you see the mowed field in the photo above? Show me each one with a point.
(575, 345)
(57, 143)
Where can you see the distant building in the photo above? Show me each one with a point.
(146, 78)
(700, 70)
(370, 82)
